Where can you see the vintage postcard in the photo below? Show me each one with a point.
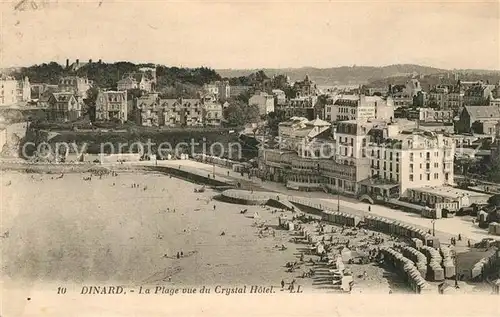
(249, 158)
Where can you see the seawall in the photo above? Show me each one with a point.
(187, 175)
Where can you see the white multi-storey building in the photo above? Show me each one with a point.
(413, 159)
(8, 90)
(361, 107)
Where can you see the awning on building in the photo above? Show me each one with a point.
(407, 205)
(378, 183)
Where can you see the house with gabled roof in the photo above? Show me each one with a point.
(63, 107)
(184, 112)
(127, 83)
(475, 118)
(149, 110)
(111, 106)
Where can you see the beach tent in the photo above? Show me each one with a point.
(346, 254)
(320, 248)
(346, 283)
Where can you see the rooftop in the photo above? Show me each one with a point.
(450, 192)
(62, 96)
(483, 112)
(318, 123)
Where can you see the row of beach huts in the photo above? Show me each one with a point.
(424, 259)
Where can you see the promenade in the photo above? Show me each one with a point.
(445, 228)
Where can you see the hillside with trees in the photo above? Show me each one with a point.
(106, 75)
(338, 75)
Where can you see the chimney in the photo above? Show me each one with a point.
(90, 61)
(100, 61)
(77, 62)
(67, 62)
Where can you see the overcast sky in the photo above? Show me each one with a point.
(255, 34)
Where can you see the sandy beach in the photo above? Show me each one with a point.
(111, 231)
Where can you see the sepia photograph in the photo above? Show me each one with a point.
(249, 158)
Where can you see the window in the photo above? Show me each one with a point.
(397, 168)
(411, 168)
(428, 156)
(436, 154)
(436, 165)
(411, 157)
(397, 177)
(436, 176)
(390, 176)
(446, 176)
(364, 142)
(427, 166)
(428, 177)
(411, 177)
(420, 176)
(390, 156)
(385, 166)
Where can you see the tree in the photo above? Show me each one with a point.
(494, 200)
(44, 73)
(89, 103)
(494, 170)
(134, 93)
(238, 113)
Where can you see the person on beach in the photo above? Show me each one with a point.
(182, 254)
(282, 284)
(178, 255)
(227, 173)
(214, 207)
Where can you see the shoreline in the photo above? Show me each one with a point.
(204, 253)
(285, 236)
